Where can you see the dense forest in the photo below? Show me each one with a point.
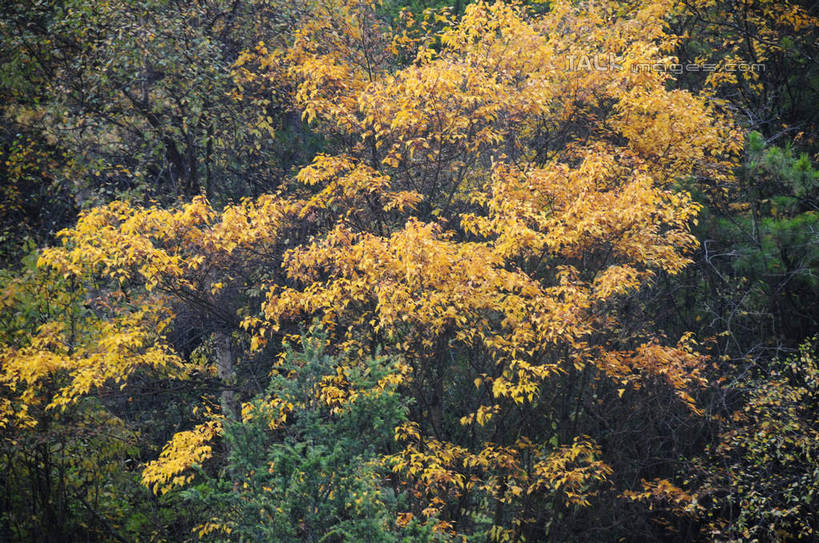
(332, 271)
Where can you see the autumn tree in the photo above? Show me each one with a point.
(495, 193)
(535, 198)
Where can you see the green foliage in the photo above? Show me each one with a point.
(777, 240)
(756, 286)
(297, 471)
(796, 173)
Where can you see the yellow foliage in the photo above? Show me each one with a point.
(495, 204)
(165, 248)
(662, 491)
(461, 223)
(183, 451)
(115, 350)
(573, 471)
(275, 411)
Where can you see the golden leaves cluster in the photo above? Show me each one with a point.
(186, 449)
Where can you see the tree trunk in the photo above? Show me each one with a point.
(224, 361)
